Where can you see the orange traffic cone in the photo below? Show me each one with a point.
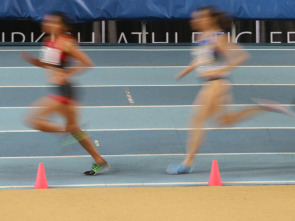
(215, 179)
(41, 181)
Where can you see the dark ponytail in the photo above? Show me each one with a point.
(65, 19)
(224, 21)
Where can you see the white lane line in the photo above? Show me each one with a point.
(181, 66)
(185, 129)
(160, 129)
(269, 182)
(173, 85)
(16, 187)
(163, 106)
(147, 106)
(274, 182)
(192, 48)
(128, 95)
(149, 155)
(175, 183)
(156, 50)
(17, 67)
(24, 86)
(140, 85)
(116, 67)
(46, 157)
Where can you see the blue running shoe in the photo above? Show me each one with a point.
(178, 169)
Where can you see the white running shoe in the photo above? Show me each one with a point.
(273, 106)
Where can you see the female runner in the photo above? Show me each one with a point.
(56, 50)
(214, 61)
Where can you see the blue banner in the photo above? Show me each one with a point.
(143, 10)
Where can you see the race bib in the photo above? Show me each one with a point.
(203, 54)
(50, 55)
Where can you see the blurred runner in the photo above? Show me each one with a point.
(214, 61)
(58, 46)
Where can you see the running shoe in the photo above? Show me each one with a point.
(273, 106)
(178, 169)
(97, 168)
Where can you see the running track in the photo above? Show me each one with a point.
(137, 113)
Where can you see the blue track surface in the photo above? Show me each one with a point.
(155, 95)
(140, 139)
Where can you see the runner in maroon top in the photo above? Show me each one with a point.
(54, 56)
